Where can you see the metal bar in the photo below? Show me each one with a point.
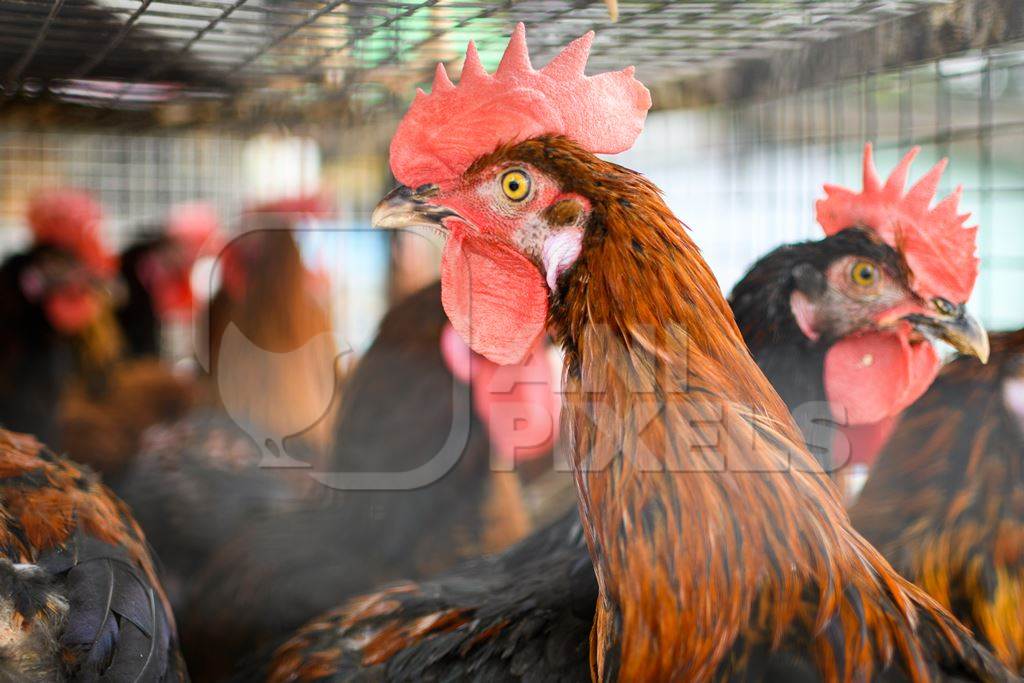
(87, 68)
(931, 33)
(15, 72)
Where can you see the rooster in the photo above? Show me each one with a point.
(278, 573)
(945, 499)
(104, 414)
(195, 482)
(156, 270)
(50, 296)
(719, 547)
(276, 371)
(844, 322)
(80, 599)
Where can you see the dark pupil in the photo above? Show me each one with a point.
(513, 185)
(865, 273)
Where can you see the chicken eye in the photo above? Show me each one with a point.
(864, 273)
(515, 184)
(944, 307)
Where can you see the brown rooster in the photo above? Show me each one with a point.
(79, 597)
(720, 549)
(945, 500)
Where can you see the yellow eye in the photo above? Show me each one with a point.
(516, 185)
(864, 273)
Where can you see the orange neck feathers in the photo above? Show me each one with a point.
(707, 521)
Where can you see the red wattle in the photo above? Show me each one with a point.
(494, 297)
(70, 311)
(519, 403)
(866, 441)
(873, 376)
(174, 297)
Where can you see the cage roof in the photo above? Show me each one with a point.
(209, 60)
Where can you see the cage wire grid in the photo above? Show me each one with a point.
(745, 176)
(265, 56)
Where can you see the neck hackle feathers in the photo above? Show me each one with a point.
(445, 131)
(938, 247)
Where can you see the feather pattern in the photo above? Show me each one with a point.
(102, 600)
(720, 550)
(945, 500)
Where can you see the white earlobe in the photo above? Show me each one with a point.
(1013, 397)
(559, 253)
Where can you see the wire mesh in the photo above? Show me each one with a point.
(271, 55)
(745, 177)
(137, 178)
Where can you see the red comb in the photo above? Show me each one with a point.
(194, 225)
(443, 132)
(938, 248)
(70, 219)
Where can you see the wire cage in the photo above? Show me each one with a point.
(188, 61)
(152, 102)
(745, 176)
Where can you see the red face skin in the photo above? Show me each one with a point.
(166, 274)
(878, 364)
(496, 246)
(64, 290)
(71, 309)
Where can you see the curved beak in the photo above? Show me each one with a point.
(404, 207)
(960, 330)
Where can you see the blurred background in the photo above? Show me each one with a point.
(151, 103)
(192, 180)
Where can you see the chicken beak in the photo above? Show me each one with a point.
(960, 330)
(404, 208)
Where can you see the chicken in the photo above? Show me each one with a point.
(841, 325)
(157, 271)
(719, 547)
(105, 412)
(49, 296)
(280, 572)
(80, 598)
(278, 376)
(195, 482)
(945, 499)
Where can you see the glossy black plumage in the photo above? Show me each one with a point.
(522, 615)
(136, 315)
(79, 596)
(253, 560)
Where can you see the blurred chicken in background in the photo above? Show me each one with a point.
(406, 407)
(156, 270)
(273, 353)
(195, 482)
(51, 296)
(945, 500)
(104, 414)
